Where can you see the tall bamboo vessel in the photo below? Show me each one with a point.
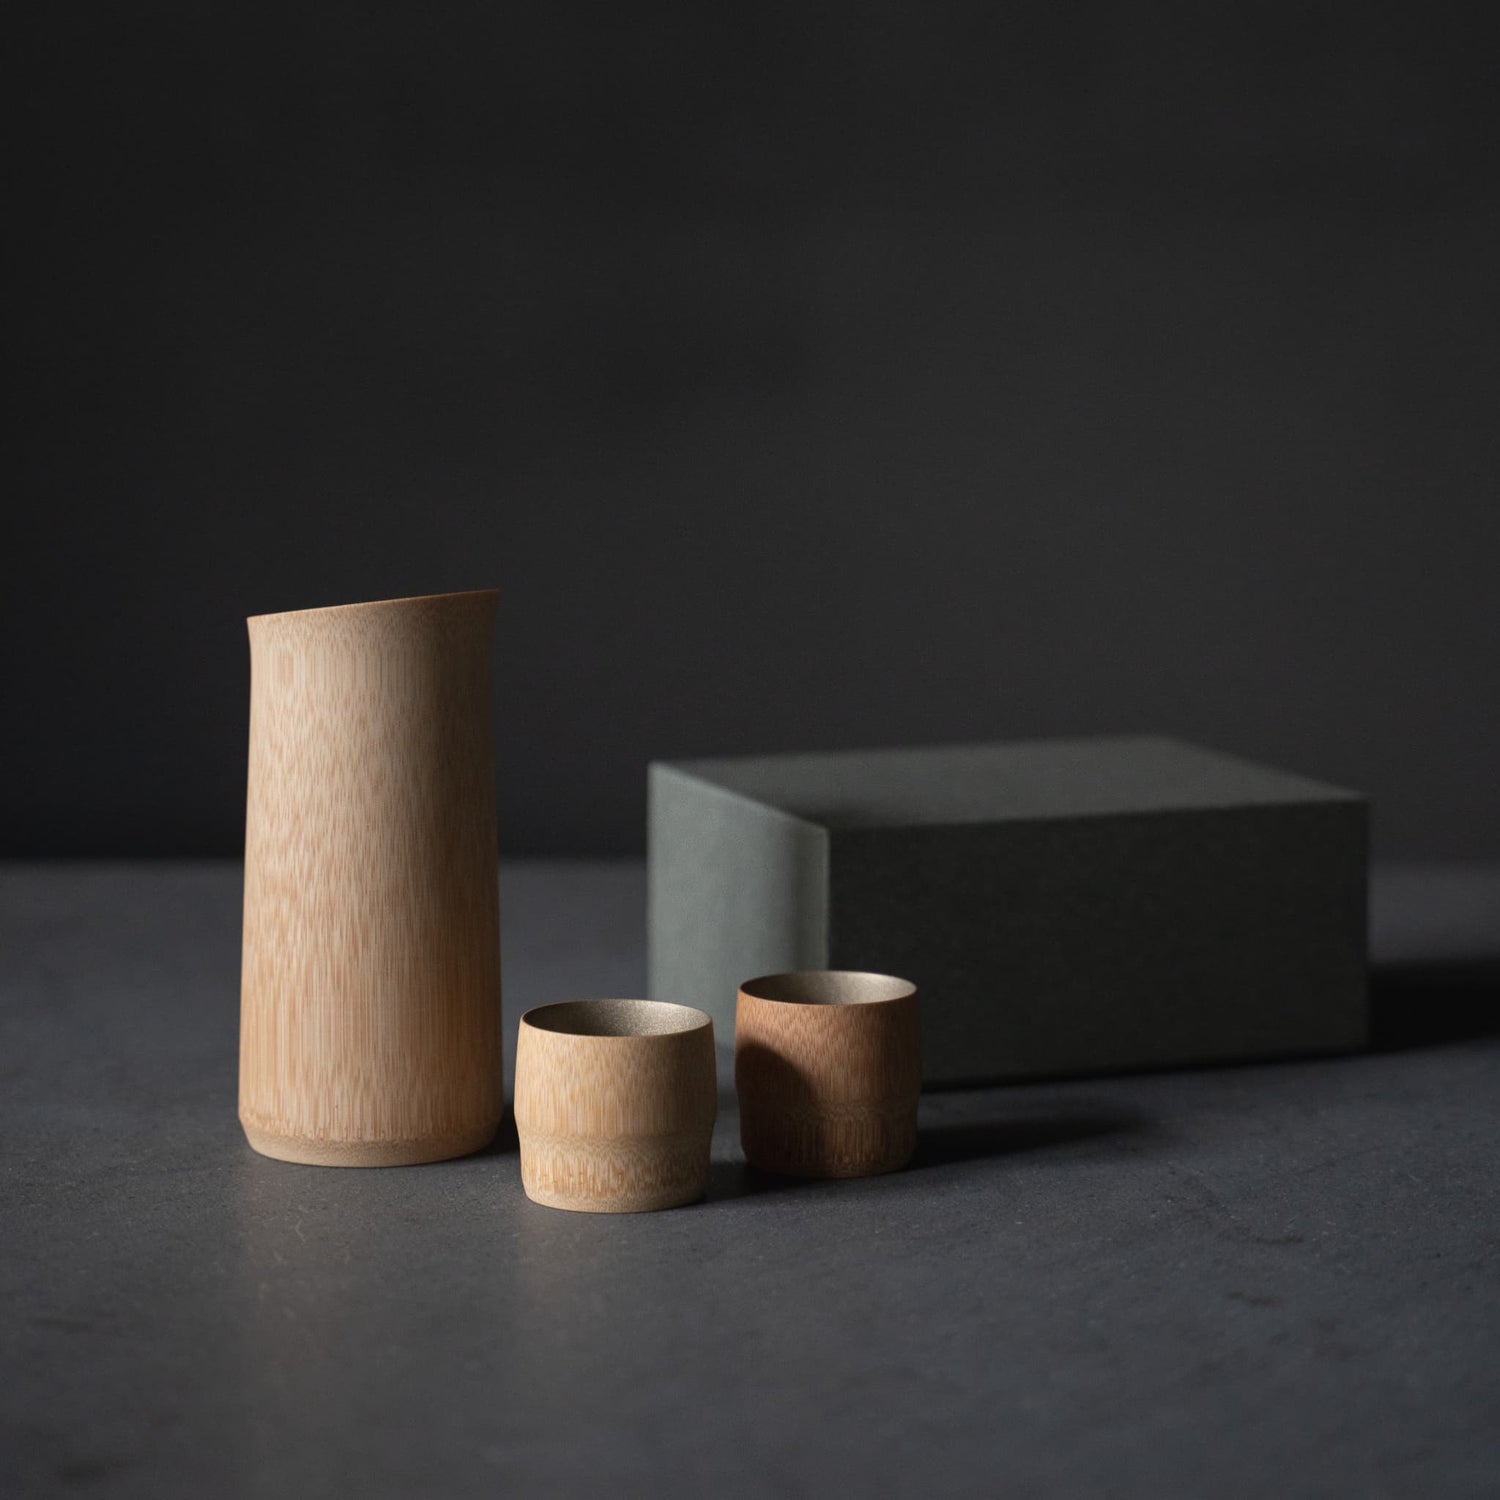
(370, 984)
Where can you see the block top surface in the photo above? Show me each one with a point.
(1016, 780)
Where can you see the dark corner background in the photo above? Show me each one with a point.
(802, 378)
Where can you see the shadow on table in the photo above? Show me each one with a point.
(506, 1142)
(1038, 1130)
(947, 1142)
(1435, 1002)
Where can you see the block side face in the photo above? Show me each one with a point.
(1104, 944)
(735, 890)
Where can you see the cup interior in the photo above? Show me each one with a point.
(615, 1018)
(829, 987)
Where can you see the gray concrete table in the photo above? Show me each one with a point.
(1278, 1280)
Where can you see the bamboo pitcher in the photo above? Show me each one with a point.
(370, 985)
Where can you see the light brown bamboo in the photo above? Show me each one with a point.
(615, 1104)
(828, 1069)
(370, 984)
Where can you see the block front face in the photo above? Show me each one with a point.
(1095, 944)
(737, 890)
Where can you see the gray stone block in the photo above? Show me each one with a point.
(1065, 906)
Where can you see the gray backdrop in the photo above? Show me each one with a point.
(885, 375)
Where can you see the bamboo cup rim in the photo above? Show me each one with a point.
(616, 1020)
(328, 609)
(832, 987)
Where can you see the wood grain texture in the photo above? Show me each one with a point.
(828, 1069)
(615, 1104)
(370, 986)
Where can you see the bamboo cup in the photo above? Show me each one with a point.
(615, 1104)
(370, 984)
(828, 1067)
